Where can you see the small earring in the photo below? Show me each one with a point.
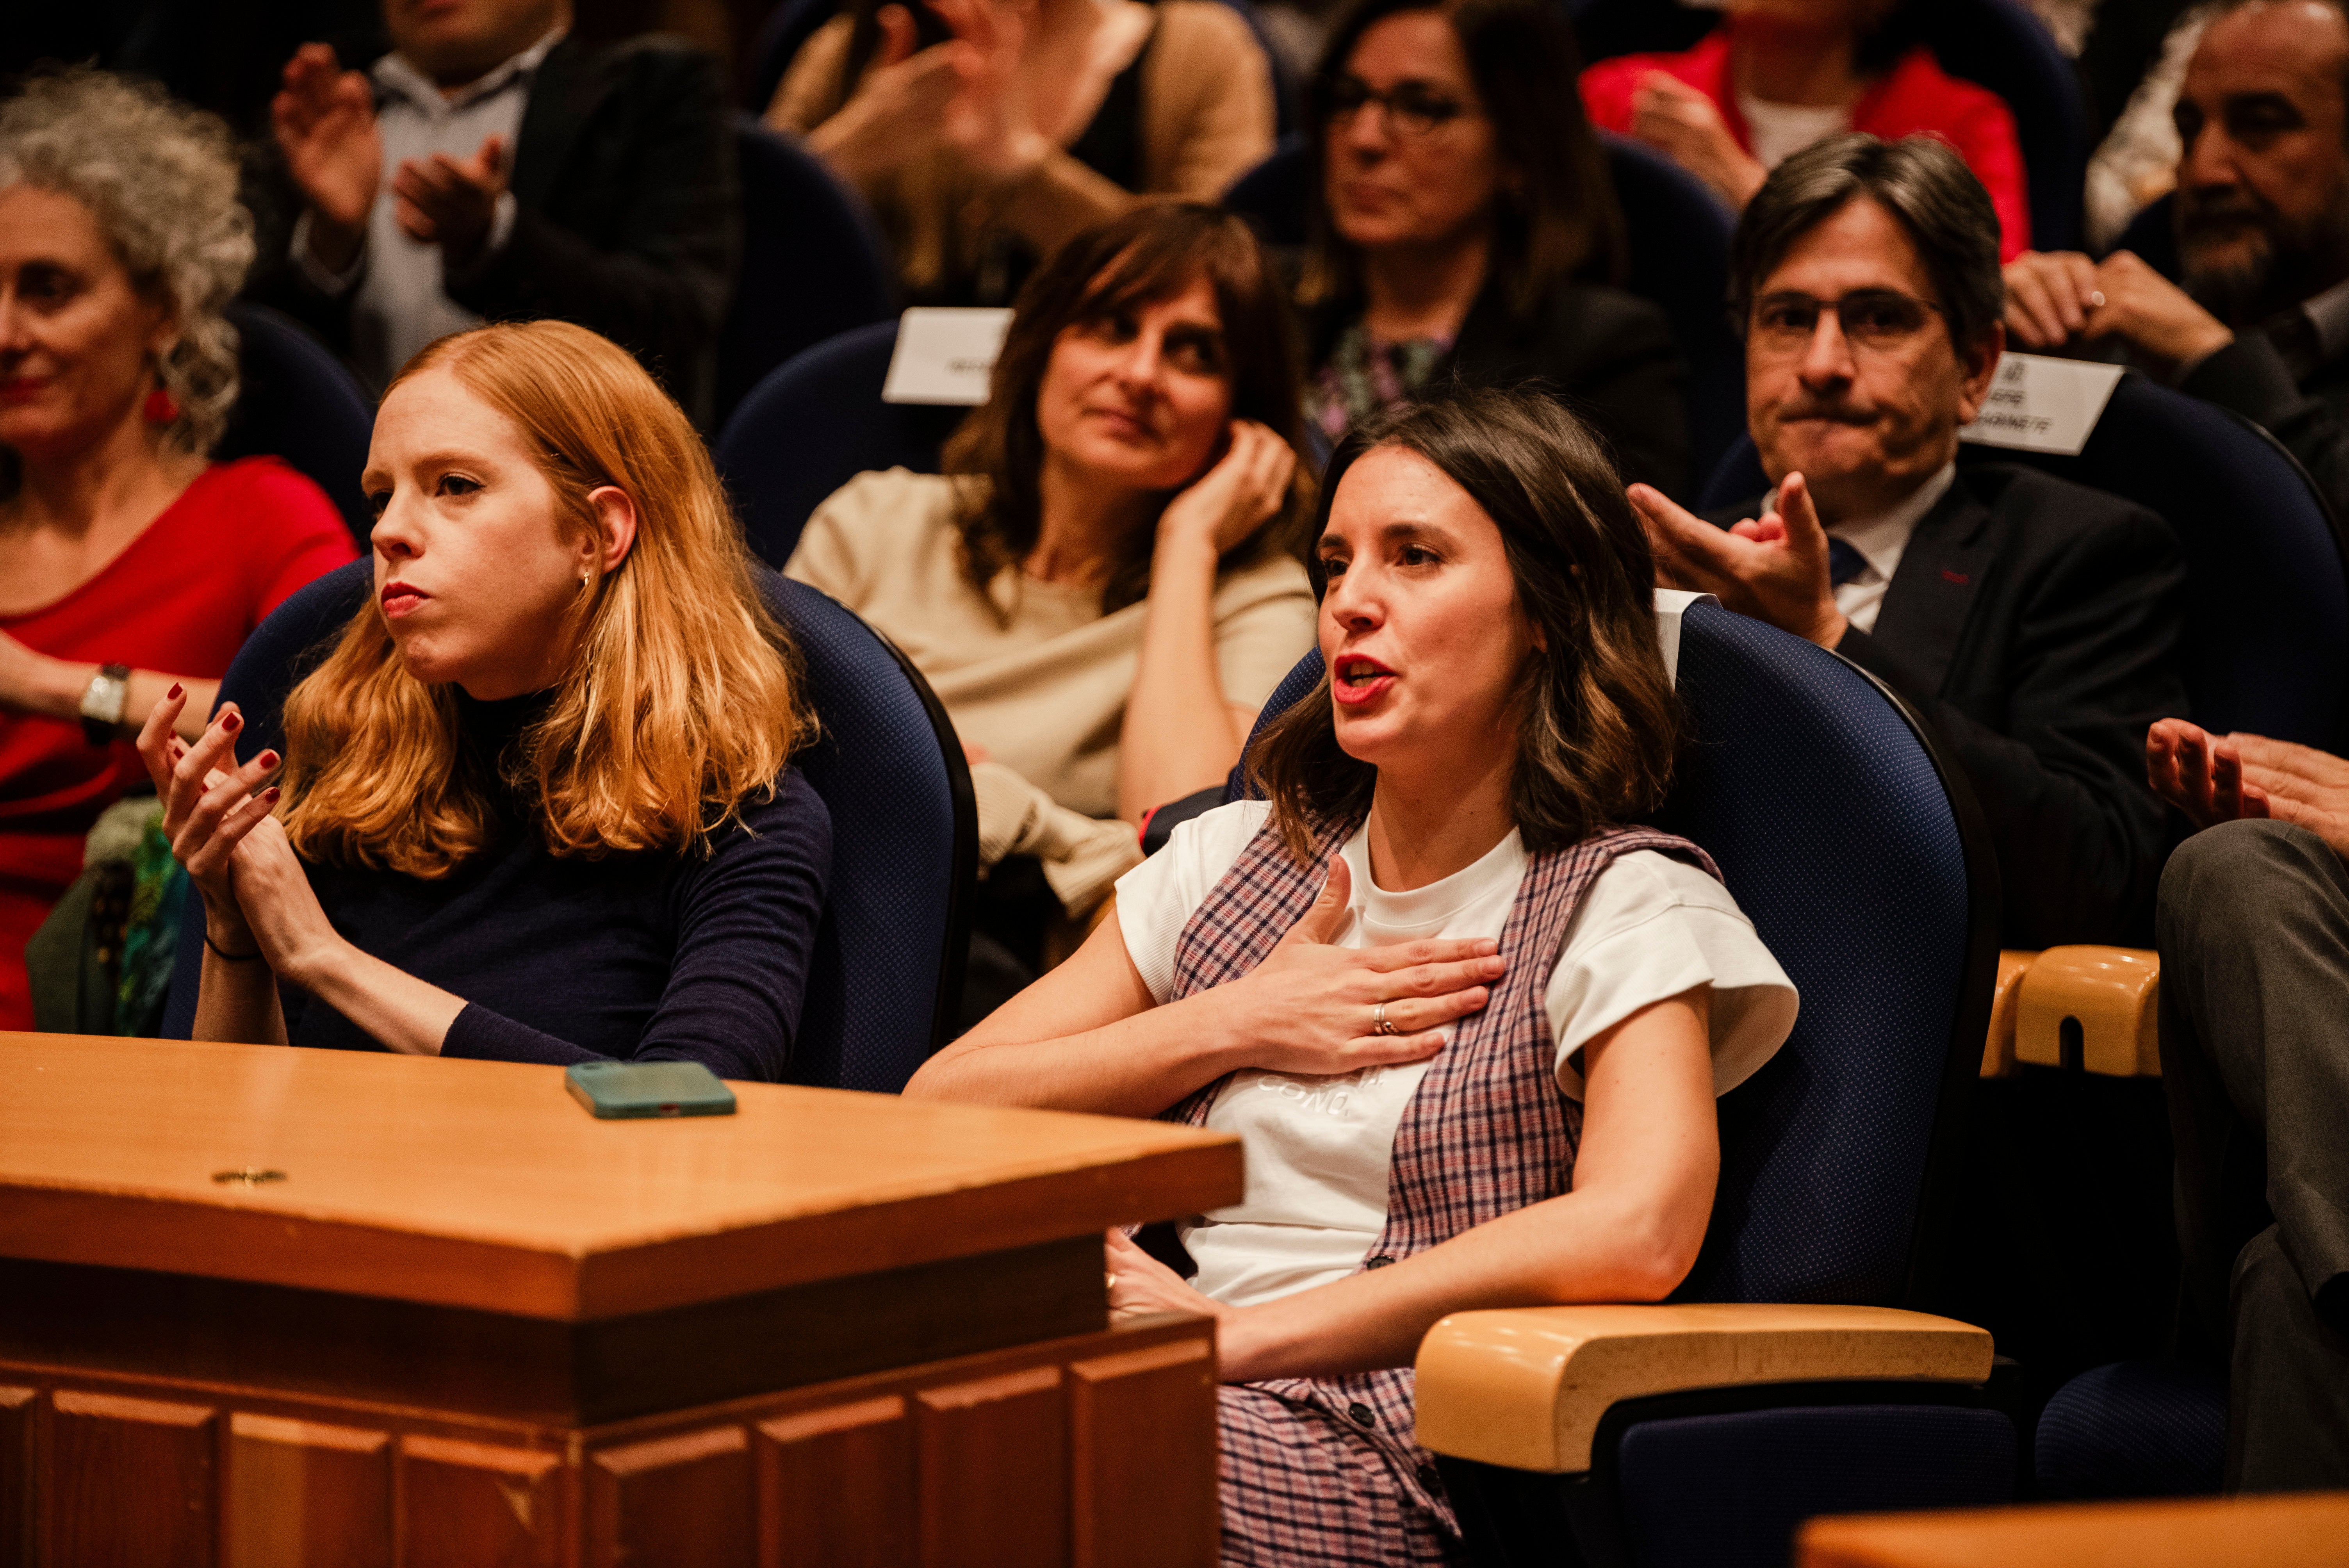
(161, 407)
(583, 583)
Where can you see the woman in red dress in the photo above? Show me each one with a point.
(128, 561)
(1778, 74)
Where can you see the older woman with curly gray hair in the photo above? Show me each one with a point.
(129, 564)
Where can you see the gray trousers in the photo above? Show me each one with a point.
(2253, 926)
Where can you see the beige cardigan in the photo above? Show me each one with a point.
(1043, 687)
(1206, 119)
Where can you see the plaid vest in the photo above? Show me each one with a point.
(1487, 1131)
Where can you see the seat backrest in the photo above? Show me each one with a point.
(814, 262)
(296, 401)
(1864, 866)
(1995, 44)
(1678, 259)
(787, 27)
(814, 425)
(887, 980)
(2267, 610)
(2153, 235)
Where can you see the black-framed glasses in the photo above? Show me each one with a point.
(1873, 320)
(1414, 108)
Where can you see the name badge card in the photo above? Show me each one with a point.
(2040, 404)
(944, 355)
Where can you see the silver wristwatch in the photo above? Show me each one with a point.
(102, 701)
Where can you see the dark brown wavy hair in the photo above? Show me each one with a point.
(1599, 724)
(1151, 254)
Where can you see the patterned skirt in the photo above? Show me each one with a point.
(1304, 1485)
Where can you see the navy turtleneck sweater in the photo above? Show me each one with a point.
(693, 957)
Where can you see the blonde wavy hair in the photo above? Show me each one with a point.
(160, 178)
(683, 696)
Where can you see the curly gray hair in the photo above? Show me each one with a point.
(161, 179)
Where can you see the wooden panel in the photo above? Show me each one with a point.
(678, 1502)
(479, 1505)
(1141, 1439)
(1998, 1046)
(836, 1487)
(994, 1473)
(482, 1185)
(140, 1324)
(132, 1481)
(2110, 994)
(302, 1494)
(2284, 1531)
(20, 1409)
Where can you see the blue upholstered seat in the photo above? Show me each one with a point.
(1862, 862)
(887, 974)
(296, 401)
(814, 262)
(813, 426)
(2267, 624)
(2136, 1429)
(1678, 260)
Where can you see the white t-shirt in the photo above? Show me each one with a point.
(1317, 1149)
(1779, 131)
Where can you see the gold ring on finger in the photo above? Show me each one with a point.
(1380, 1023)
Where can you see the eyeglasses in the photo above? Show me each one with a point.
(1412, 107)
(1874, 320)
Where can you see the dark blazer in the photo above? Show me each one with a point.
(1609, 356)
(627, 214)
(2035, 624)
(2271, 376)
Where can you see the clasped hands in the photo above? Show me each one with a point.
(965, 93)
(325, 123)
(217, 817)
(2220, 778)
(1773, 568)
(2055, 298)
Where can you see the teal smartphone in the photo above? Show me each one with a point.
(648, 1089)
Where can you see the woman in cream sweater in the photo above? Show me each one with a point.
(1104, 586)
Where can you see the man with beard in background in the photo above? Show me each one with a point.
(2258, 321)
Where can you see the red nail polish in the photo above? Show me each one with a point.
(267, 760)
(230, 721)
(269, 796)
(174, 693)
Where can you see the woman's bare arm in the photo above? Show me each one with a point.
(1629, 1230)
(1087, 1036)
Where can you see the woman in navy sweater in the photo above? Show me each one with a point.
(535, 804)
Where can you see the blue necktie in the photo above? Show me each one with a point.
(1844, 562)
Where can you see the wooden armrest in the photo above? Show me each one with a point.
(2112, 992)
(1524, 1387)
(1998, 1049)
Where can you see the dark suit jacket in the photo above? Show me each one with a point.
(627, 214)
(2308, 411)
(2036, 623)
(1606, 355)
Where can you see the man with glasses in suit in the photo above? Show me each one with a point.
(2033, 623)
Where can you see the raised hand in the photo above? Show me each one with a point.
(452, 202)
(324, 118)
(1686, 125)
(900, 110)
(1773, 568)
(989, 122)
(1310, 1008)
(1238, 494)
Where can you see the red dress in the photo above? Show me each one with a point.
(1915, 97)
(180, 599)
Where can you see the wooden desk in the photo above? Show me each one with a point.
(262, 1305)
(2302, 1531)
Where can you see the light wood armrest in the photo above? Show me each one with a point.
(1524, 1387)
(1998, 1049)
(2112, 991)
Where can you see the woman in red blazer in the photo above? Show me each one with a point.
(1777, 75)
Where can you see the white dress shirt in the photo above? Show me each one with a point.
(402, 302)
(1881, 541)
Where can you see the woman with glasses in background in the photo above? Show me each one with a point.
(1468, 230)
